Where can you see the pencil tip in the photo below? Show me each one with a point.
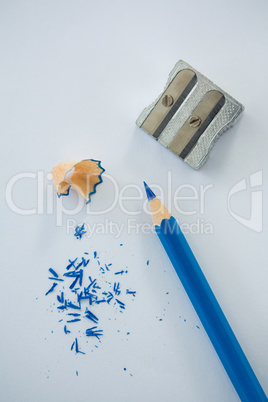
(149, 192)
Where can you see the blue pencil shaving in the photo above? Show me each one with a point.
(80, 277)
(71, 264)
(93, 332)
(84, 262)
(88, 291)
(91, 316)
(79, 265)
(80, 231)
(76, 347)
(53, 273)
(71, 305)
(74, 320)
(92, 282)
(119, 273)
(77, 373)
(74, 282)
(56, 279)
(147, 262)
(109, 297)
(62, 307)
(74, 314)
(100, 301)
(117, 290)
(131, 292)
(121, 304)
(52, 288)
(61, 298)
(71, 274)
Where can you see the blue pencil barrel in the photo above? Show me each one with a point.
(209, 312)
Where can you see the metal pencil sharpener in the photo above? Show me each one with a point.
(189, 115)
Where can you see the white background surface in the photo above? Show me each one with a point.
(74, 77)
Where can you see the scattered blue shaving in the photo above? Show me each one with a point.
(92, 332)
(147, 262)
(110, 297)
(52, 288)
(80, 231)
(62, 307)
(53, 273)
(56, 279)
(76, 347)
(91, 316)
(92, 283)
(100, 301)
(121, 244)
(77, 373)
(85, 262)
(131, 292)
(91, 294)
(61, 298)
(71, 305)
(74, 314)
(71, 264)
(81, 277)
(79, 265)
(121, 304)
(71, 274)
(117, 290)
(74, 320)
(119, 273)
(74, 282)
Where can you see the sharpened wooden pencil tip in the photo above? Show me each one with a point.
(150, 194)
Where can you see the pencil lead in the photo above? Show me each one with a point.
(149, 192)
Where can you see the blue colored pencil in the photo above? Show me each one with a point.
(203, 300)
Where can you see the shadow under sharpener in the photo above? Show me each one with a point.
(189, 115)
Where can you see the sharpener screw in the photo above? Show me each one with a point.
(167, 100)
(195, 121)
